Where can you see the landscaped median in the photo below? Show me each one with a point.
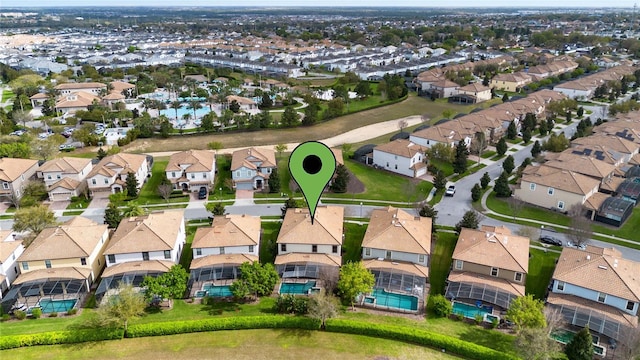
(391, 332)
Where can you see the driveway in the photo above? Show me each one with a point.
(244, 197)
(59, 205)
(99, 201)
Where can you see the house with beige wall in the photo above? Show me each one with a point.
(489, 265)
(10, 251)
(14, 175)
(110, 174)
(510, 82)
(189, 170)
(65, 177)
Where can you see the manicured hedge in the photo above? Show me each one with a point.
(59, 337)
(230, 323)
(417, 336)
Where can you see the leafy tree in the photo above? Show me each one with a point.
(170, 285)
(216, 208)
(323, 306)
(266, 102)
(485, 180)
(347, 150)
(121, 309)
(556, 143)
(505, 97)
(274, 181)
(112, 215)
(512, 131)
(290, 117)
(568, 116)
(33, 219)
(341, 180)
(312, 111)
(234, 106)
(509, 164)
(526, 135)
(501, 147)
(543, 128)
(470, 220)
(206, 123)
(536, 149)
(334, 109)
(535, 344)
(526, 312)
(101, 154)
(133, 209)
(45, 149)
(579, 231)
(255, 279)
(460, 161)
(476, 192)
(363, 89)
(580, 111)
(165, 128)
(354, 279)
(501, 187)
(291, 203)
(131, 184)
(280, 148)
(440, 306)
(441, 152)
(36, 190)
(581, 346)
(439, 180)
(429, 211)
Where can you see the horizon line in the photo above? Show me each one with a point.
(314, 6)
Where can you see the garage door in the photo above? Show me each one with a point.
(61, 196)
(421, 172)
(244, 186)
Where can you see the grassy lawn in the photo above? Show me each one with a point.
(514, 141)
(528, 212)
(245, 344)
(383, 185)
(268, 250)
(187, 254)
(488, 154)
(223, 179)
(7, 94)
(413, 105)
(629, 230)
(352, 245)
(470, 170)
(72, 213)
(79, 203)
(541, 267)
(285, 178)
(441, 261)
(148, 193)
(445, 167)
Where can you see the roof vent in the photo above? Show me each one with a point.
(588, 257)
(492, 239)
(505, 240)
(602, 267)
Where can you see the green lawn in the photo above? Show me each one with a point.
(629, 230)
(472, 168)
(528, 212)
(187, 254)
(441, 261)
(223, 179)
(80, 202)
(7, 94)
(488, 154)
(541, 266)
(149, 192)
(383, 185)
(352, 245)
(237, 345)
(268, 250)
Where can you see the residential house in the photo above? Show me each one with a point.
(474, 92)
(402, 157)
(510, 82)
(443, 89)
(489, 265)
(219, 250)
(250, 168)
(554, 188)
(65, 177)
(38, 99)
(580, 164)
(246, 104)
(304, 256)
(72, 102)
(189, 170)
(397, 245)
(617, 146)
(14, 174)
(597, 287)
(94, 88)
(10, 251)
(439, 135)
(110, 174)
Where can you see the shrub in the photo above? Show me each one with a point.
(5, 317)
(230, 323)
(291, 304)
(478, 318)
(36, 313)
(440, 306)
(59, 337)
(494, 323)
(416, 336)
(72, 311)
(20, 315)
(53, 314)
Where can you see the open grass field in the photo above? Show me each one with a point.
(413, 105)
(236, 345)
(541, 266)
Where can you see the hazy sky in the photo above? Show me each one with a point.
(418, 3)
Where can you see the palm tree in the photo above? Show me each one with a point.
(133, 209)
(195, 105)
(175, 105)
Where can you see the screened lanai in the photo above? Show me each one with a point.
(132, 273)
(51, 294)
(215, 270)
(310, 266)
(491, 290)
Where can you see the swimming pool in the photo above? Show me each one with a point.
(394, 300)
(51, 306)
(563, 336)
(217, 291)
(171, 113)
(469, 311)
(297, 288)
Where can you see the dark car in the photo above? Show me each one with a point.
(550, 240)
(202, 194)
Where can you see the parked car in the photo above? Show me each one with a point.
(202, 194)
(451, 190)
(547, 239)
(581, 246)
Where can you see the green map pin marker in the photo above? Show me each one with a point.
(312, 165)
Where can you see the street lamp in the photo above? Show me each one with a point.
(360, 209)
(220, 193)
(541, 228)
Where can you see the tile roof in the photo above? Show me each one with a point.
(124, 161)
(401, 147)
(580, 164)
(494, 247)
(228, 259)
(228, 230)
(65, 183)
(157, 231)
(473, 278)
(600, 269)
(241, 158)
(76, 99)
(57, 273)
(75, 238)
(86, 85)
(8, 247)
(611, 141)
(397, 266)
(137, 266)
(560, 179)
(196, 160)
(474, 87)
(66, 165)
(293, 258)
(396, 230)
(11, 169)
(327, 228)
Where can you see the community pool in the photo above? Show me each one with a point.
(394, 300)
(217, 290)
(297, 288)
(50, 306)
(469, 311)
(171, 113)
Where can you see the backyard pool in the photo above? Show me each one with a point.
(50, 306)
(563, 336)
(469, 311)
(394, 300)
(297, 288)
